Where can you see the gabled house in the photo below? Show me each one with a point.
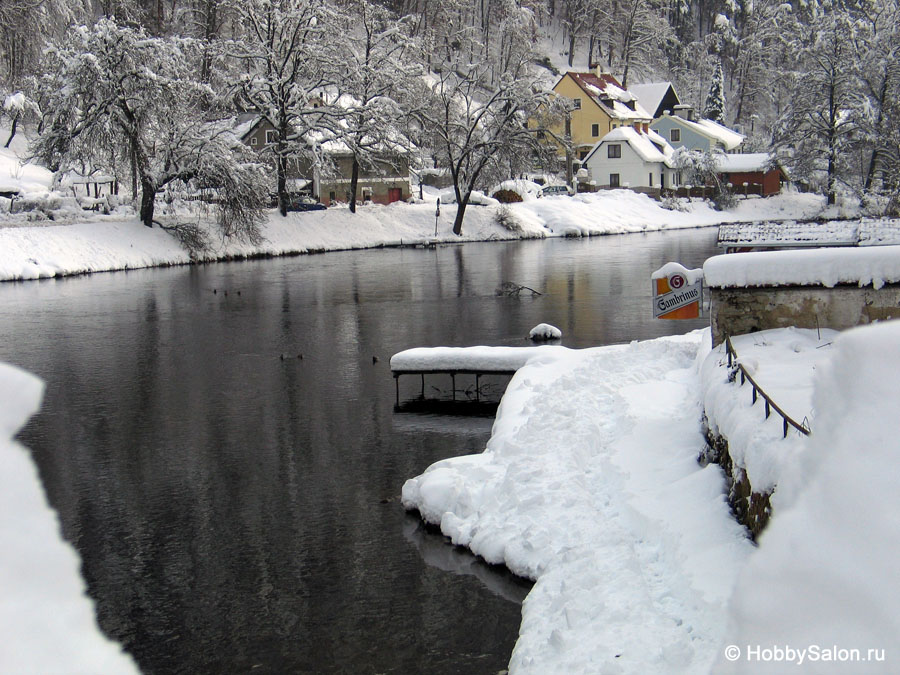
(600, 105)
(752, 173)
(632, 157)
(681, 130)
(386, 181)
(656, 97)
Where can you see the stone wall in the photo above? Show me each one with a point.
(736, 311)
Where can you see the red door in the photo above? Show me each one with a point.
(394, 195)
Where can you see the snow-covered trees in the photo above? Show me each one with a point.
(817, 128)
(715, 100)
(119, 98)
(24, 24)
(286, 62)
(477, 130)
(381, 66)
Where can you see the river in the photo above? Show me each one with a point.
(221, 443)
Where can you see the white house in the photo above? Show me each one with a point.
(632, 157)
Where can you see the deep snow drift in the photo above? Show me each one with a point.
(824, 579)
(48, 621)
(590, 485)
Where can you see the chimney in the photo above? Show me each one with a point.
(684, 111)
(646, 127)
(637, 126)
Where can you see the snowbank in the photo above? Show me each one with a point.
(828, 267)
(590, 485)
(116, 242)
(48, 621)
(783, 361)
(824, 578)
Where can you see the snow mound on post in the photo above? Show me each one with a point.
(544, 331)
(590, 485)
(825, 573)
(48, 621)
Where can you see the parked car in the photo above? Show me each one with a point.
(552, 190)
(298, 202)
(304, 203)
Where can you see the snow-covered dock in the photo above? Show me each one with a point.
(455, 361)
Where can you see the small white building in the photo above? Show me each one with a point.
(632, 157)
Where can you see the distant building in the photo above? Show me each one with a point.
(600, 105)
(752, 173)
(656, 97)
(681, 130)
(636, 158)
(385, 182)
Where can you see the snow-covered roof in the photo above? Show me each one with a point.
(606, 92)
(745, 162)
(650, 94)
(650, 146)
(875, 265)
(728, 138)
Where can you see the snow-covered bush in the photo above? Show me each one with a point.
(505, 219)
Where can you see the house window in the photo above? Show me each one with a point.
(595, 130)
(675, 135)
(253, 141)
(613, 180)
(614, 151)
(650, 178)
(577, 103)
(270, 136)
(583, 153)
(540, 134)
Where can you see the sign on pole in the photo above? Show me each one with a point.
(677, 292)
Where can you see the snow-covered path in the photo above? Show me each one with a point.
(590, 485)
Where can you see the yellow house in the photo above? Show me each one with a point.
(600, 104)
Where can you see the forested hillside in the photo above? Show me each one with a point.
(816, 81)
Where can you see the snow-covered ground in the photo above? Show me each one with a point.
(47, 620)
(784, 363)
(75, 241)
(590, 485)
(824, 582)
(119, 241)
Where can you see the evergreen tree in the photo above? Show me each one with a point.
(715, 100)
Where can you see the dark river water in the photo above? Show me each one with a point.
(236, 507)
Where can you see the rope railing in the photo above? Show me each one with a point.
(758, 392)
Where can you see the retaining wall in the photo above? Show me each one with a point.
(736, 311)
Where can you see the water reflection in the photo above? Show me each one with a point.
(436, 551)
(237, 510)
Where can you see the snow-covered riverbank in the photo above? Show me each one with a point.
(590, 485)
(48, 622)
(94, 243)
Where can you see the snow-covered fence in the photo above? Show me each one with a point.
(734, 361)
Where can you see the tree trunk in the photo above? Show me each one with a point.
(281, 174)
(354, 181)
(148, 201)
(461, 205)
(12, 131)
